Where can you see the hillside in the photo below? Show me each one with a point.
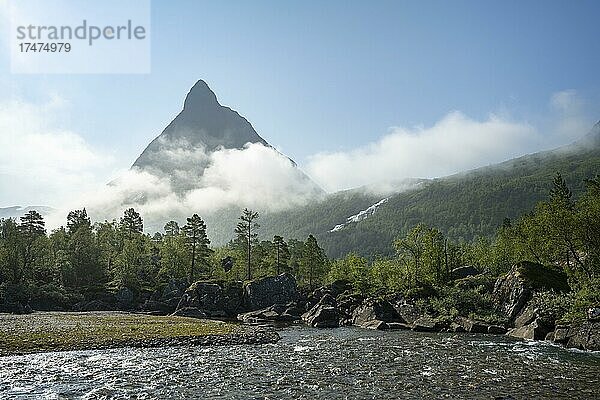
(463, 206)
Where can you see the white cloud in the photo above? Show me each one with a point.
(568, 122)
(453, 144)
(40, 161)
(256, 176)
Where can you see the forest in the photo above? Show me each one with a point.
(81, 260)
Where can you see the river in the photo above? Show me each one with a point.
(345, 363)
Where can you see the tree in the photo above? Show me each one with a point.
(282, 253)
(246, 234)
(313, 260)
(11, 265)
(197, 242)
(77, 219)
(131, 223)
(410, 250)
(32, 228)
(171, 228)
(32, 224)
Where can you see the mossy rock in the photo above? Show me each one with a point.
(539, 276)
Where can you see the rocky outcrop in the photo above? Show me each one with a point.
(192, 312)
(375, 314)
(427, 324)
(264, 292)
(513, 291)
(584, 336)
(275, 313)
(324, 314)
(463, 272)
(535, 330)
(334, 289)
(215, 299)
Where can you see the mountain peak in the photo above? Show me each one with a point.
(200, 96)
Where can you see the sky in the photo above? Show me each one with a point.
(355, 92)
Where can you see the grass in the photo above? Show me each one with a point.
(41, 332)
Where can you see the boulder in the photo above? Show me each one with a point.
(473, 326)
(376, 325)
(496, 330)
(427, 324)
(585, 336)
(561, 334)
(398, 326)
(192, 312)
(218, 299)
(514, 290)
(157, 307)
(275, 313)
(536, 330)
(593, 314)
(463, 272)
(408, 312)
(375, 310)
(527, 316)
(334, 289)
(265, 292)
(456, 328)
(324, 314)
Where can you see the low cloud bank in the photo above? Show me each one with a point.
(453, 144)
(256, 177)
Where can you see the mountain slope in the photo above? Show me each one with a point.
(470, 204)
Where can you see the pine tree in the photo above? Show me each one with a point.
(171, 228)
(77, 219)
(313, 260)
(282, 253)
(246, 233)
(197, 242)
(131, 223)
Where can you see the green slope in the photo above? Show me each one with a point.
(466, 205)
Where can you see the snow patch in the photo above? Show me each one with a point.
(362, 215)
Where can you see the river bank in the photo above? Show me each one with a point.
(60, 331)
(311, 363)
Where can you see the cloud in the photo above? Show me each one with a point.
(569, 121)
(40, 160)
(453, 144)
(256, 177)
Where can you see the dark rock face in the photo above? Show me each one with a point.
(324, 314)
(473, 326)
(275, 313)
(370, 311)
(192, 312)
(585, 336)
(536, 330)
(427, 324)
(463, 272)
(201, 128)
(216, 299)
(264, 292)
(513, 291)
(203, 122)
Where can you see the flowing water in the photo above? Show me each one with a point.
(314, 364)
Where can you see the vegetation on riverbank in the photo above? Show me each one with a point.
(85, 261)
(42, 332)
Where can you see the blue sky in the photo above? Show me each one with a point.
(333, 77)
